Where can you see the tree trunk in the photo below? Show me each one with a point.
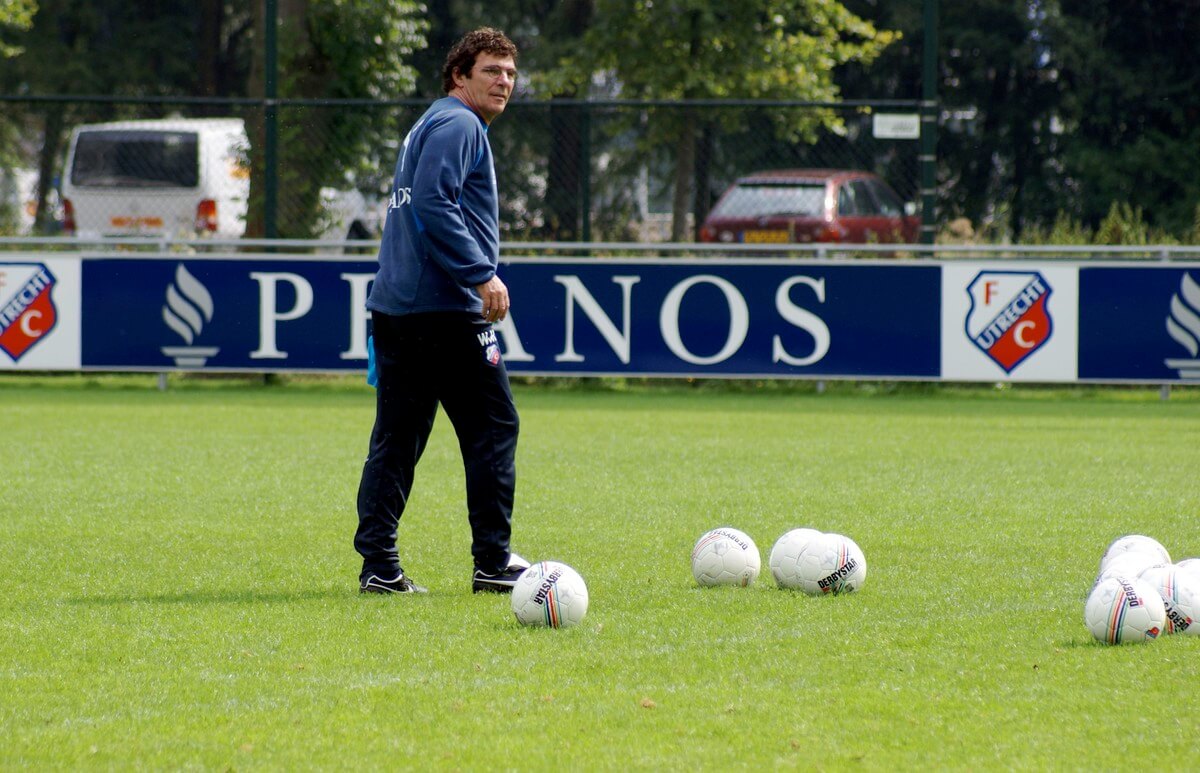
(256, 126)
(564, 180)
(703, 198)
(51, 149)
(685, 166)
(209, 46)
(685, 159)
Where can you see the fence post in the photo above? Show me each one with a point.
(585, 171)
(927, 158)
(270, 161)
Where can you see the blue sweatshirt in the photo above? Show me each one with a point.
(441, 236)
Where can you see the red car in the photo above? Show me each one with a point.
(811, 205)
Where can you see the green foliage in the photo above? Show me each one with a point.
(694, 49)
(768, 49)
(180, 584)
(1067, 230)
(339, 49)
(1129, 93)
(17, 14)
(1052, 107)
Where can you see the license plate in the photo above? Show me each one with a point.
(131, 221)
(765, 237)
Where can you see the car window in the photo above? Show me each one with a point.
(889, 202)
(767, 199)
(143, 159)
(846, 203)
(863, 199)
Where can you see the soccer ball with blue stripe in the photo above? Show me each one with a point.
(1122, 610)
(830, 564)
(550, 594)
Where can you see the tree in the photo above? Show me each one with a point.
(1129, 108)
(329, 49)
(1053, 107)
(695, 50)
(17, 14)
(997, 92)
(541, 163)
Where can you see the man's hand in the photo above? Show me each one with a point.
(494, 295)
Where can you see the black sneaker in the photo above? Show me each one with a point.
(501, 582)
(401, 584)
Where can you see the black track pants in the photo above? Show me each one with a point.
(423, 360)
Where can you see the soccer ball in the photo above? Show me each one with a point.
(786, 553)
(1121, 610)
(1135, 543)
(831, 563)
(1180, 593)
(1128, 565)
(550, 594)
(725, 556)
(1189, 565)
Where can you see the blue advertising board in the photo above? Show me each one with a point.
(670, 317)
(1139, 323)
(990, 320)
(677, 317)
(224, 314)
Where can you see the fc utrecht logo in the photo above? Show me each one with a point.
(1008, 319)
(27, 311)
(491, 347)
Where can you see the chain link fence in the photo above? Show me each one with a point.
(567, 170)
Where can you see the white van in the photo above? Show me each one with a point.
(180, 177)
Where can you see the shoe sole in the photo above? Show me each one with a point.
(382, 589)
(489, 587)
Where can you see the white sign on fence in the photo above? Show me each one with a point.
(896, 126)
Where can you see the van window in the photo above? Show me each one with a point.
(139, 159)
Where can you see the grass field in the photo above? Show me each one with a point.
(180, 588)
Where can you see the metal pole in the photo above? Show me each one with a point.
(270, 162)
(927, 159)
(585, 171)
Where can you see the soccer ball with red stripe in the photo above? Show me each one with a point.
(1122, 610)
(1180, 591)
(550, 594)
(725, 556)
(830, 564)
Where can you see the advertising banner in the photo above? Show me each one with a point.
(1141, 323)
(39, 313)
(994, 321)
(1009, 322)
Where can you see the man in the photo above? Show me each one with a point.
(432, 305)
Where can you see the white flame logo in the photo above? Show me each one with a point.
(189, 305)
(1183, 324)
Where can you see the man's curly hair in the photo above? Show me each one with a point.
(461, 58)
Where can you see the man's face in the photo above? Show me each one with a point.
(489, 86)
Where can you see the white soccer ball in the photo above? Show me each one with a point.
(1189, 565)
(725, 556)
(1121, 610)
(550, 594)
(1135, 543)
(1180, 593)
(831, 564)
(786, 553)
(1128, 565)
